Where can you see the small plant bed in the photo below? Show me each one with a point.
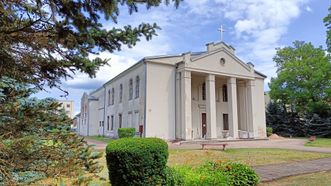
(250, 157)
(319, 142)
(320, 179)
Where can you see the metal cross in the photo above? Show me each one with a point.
(221, 30)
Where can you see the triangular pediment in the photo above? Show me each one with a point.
(211, 61)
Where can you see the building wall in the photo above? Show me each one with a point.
(259, 110)
(68, 106)
(132, 111)
(160, 103)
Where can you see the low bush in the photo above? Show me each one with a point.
(172, 177)
(126, 132)
(269, 131)
(219, 173)
(199, 176)
(137, 161)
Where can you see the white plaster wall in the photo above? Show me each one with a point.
(126, 107)
(160, 103)
(259, 111)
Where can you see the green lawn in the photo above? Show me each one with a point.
(248, 156)
(318, 179)
(320, 142)
(99, 138)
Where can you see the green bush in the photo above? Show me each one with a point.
(126, 132)
(219, 173)
(269, 131)
(200, 176)
(137, 161)
(172, 177)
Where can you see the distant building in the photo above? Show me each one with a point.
(196, 95)
(68, 106)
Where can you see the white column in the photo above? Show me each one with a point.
(186, 110)
(233, 111)
(211, 106)
(178, 108)
(251, 109)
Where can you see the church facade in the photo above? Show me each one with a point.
(203, 95)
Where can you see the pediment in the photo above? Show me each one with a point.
(212, 62)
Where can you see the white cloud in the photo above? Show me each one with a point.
(308, 9)
(259, 25)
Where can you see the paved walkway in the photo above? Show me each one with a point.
(276, 171)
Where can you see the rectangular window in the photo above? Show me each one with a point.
(107, 122)
(108, 97)
(204, 91)
(112, 123)
(119, 120)
(130, 89)
(68, 105)
(225, 121)
(137, 86)
(121, 92)
(225, 93)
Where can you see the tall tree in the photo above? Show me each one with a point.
(42, 40)
(303, 78)
(327, 22)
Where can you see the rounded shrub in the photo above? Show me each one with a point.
(126, 132)
(137, 161)
(269, 131)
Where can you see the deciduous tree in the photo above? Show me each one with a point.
(303, 81)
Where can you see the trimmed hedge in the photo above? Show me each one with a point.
(126, 132)
(137, 161)
(269, 131)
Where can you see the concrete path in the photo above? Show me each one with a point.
(286, 143)
(276, 171)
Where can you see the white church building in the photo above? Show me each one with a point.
(204, 95)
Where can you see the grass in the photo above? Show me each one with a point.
(197, 157)
(99, 138)
(320, 142)
(251, 157)
(318, 179)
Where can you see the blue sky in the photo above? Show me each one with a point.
(253, 27)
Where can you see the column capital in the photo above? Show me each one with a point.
(210, 77)
(251, 83)
(186, 74)
(232, 80)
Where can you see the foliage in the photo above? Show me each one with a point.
(136, 161)
(292, 124)
(172, 177)
(42, 41)
(303, 79)
(35, 136)
(126, 132)
(327, 22)
(269, 131)
(219, 173)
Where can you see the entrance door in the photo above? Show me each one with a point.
(204, 125)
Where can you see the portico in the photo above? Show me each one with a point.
(215, 104)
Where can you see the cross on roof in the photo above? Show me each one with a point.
(221, 29)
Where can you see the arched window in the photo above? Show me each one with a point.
(204, 91)
(130, 89)
(121, 92)
(137, 86)
(112, 96)
(225, 93)
(109, 97)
